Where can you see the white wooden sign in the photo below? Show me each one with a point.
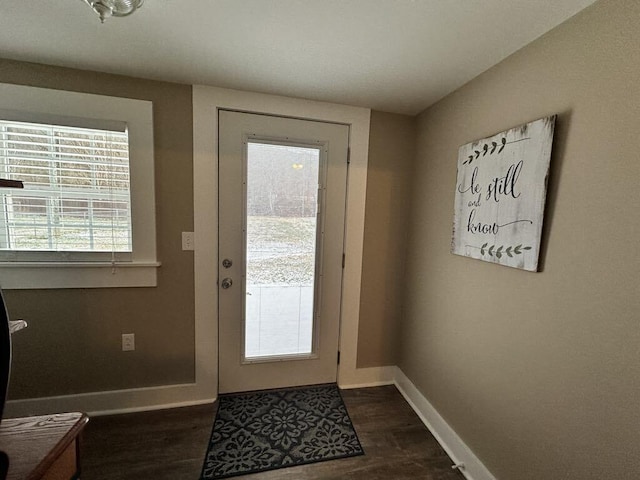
(500, 195)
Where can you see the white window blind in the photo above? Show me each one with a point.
(77, 189)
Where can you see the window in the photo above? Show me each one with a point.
(88, 203)
(77, 190)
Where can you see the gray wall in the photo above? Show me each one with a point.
(73, 342)
(539, 373)
(391, 154)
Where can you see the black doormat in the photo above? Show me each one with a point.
(255, 432)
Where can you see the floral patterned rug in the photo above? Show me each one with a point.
(254, 432)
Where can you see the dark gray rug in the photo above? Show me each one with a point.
(254, 432)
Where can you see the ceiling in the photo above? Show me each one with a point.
(391, 55)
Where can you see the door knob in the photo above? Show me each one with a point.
(226, 283)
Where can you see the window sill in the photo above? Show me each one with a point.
(39, 275)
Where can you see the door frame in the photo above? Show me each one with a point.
(206, 103)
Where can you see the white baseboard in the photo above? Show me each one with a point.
(172, 396)
(369, 377)
(156, 398)
(459, 452)
(111, 402)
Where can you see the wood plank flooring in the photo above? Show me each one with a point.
(171, 444)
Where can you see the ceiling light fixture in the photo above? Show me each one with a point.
(114, 8)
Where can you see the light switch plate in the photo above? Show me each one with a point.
(187, 241)
(128, 342)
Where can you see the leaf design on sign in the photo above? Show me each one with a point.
(499, 251)
(489, 149)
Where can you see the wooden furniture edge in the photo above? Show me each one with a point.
(71, 435)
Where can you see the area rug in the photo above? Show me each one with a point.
(255, 432)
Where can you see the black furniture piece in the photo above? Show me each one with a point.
(4, 465)
(5, 353)
(5, 368)
(5, 347)
(5, 331)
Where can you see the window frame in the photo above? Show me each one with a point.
(59, 107)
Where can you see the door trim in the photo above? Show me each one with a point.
(206, 103)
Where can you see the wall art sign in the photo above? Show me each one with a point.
(500, 195)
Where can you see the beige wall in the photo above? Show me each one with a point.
(539, 373)
(391, 155)
(73, 341)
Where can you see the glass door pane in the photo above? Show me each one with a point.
(281, 249)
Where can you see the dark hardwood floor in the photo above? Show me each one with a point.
(171, 444)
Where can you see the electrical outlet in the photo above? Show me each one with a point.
(187, 241)
(128, 342)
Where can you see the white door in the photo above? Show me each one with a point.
(282, 188)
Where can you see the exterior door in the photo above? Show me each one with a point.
(282, 188)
